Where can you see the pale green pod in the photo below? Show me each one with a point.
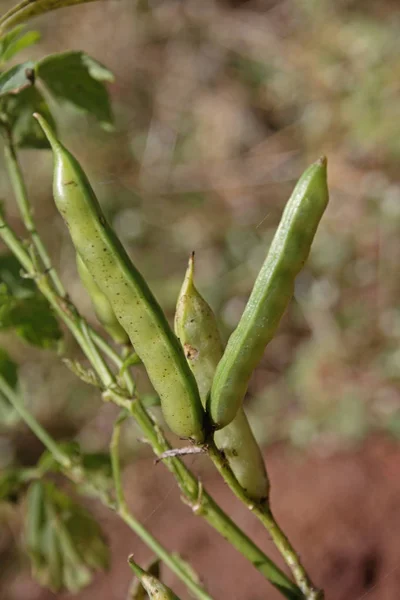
(101, 305)
(153, 586)
(197, 329)
(132, 301)
(271, 294)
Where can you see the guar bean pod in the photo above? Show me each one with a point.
(153, 586)
(271, 294)
(197, 329)
(131, 299)
(101, 304)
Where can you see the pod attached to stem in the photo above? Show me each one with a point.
(271, 294)
(153, 586)
(197, 330)
(130, 297)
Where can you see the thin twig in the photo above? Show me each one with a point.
(123, 511)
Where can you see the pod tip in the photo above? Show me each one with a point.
(47, 130)
(322, 161)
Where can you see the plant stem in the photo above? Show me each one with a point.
(203, 504)
(115, 462)
(263, 513)
(123, 511)
(187, 482)
(25, 208)
(34, 425)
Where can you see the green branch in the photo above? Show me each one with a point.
(169, 559)
(263, 513)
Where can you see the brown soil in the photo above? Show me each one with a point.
(341, 512)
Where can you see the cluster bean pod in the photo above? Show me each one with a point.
(130, 297)
(156, 590)
(271, 294)
(101, 304)
(197, 329)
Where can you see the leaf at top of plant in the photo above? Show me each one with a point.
(77, 78)
(31, 318)
(17, 78)
(14, 41)
(19, 109)
(65, 543)
(96, 465)
(9, 373)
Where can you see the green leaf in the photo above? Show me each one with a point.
(47, 462)
(10, 276)
(11, 481)
(13, 42)
(8, 372)
(97, 467)
(98, 472)
(65, 543)
(77, 78)
(24, 309)
(19, 109)
(17, 78)
(8, 369)
(31, 319)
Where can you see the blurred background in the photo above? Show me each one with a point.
(219, 107)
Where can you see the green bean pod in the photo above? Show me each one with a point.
(101, 304)
(132, 301)
(197, 329)
(271, 294)
(153, 586)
